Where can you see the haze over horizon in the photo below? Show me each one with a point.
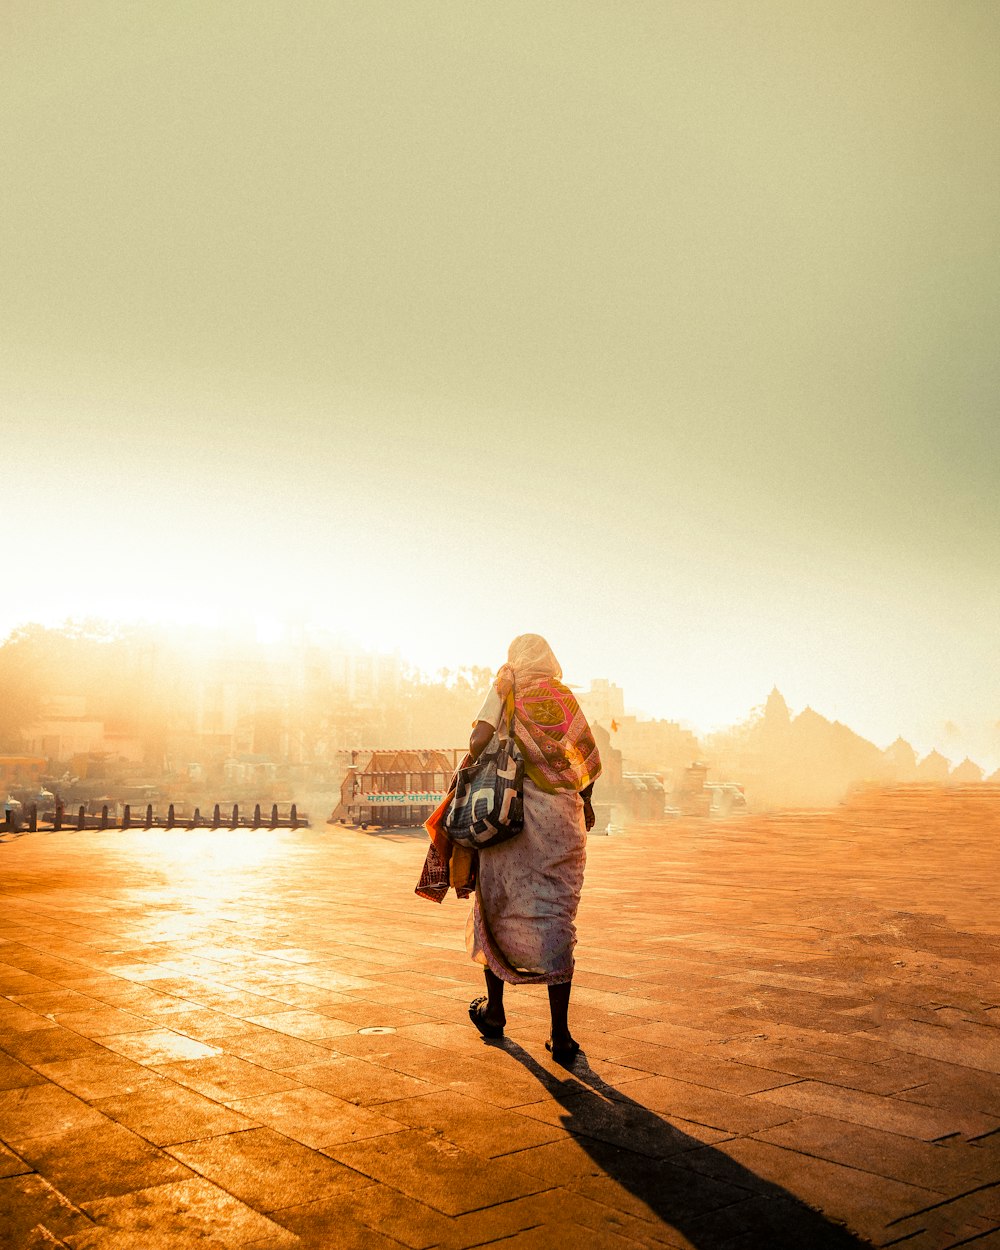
(667, 331)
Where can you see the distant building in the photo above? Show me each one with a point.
(21, 770)
(805, 761)
(654, 746)
(64, 732)
(610, 780)
(396, 787)
(603, 703)
(933, 767)
(899, 762)
(966, 772)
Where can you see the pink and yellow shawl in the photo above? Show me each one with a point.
(555, 739)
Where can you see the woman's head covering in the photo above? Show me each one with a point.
(530, 653)
(557, 744)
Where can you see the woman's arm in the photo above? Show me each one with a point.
(589, 819)
(482, 734)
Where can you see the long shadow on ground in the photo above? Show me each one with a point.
(720, 1206)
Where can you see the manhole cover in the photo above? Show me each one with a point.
(378, 1028)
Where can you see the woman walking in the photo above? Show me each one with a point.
(522, 926)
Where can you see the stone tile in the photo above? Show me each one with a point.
(872, 1078)
(764, 1220)
(37, 1109)
(191, 989)
(961, 1220)
(356, 1080)
(508, 1087)
(158, 1047)
(365, 1014)
(99, 1161)
(307, 1025)
(374, 1208)
(945, 1167)
(656, 1189)
(15, 1075)
(100, 1020)
(15, 981)
(722, 1074)
(958, 1089)
(194, 1209)
(27, 1202)
(201, 1023)
(276, 1051)
(972, 1049)
(680, 1037)
(569, 1159)
(866, 1203)
(51, 1001)
(433, 1171)
(266, 1170)
(237, 1003)
(564, 1234)
(551, 1212)
(449, 1035)
(860, 1048)
(311, 997)
(224, 1077)
(890, 1114)
(11, 1164)
(315, 1118)
(48, 1045)
(97, 1075)
(331, 1222)
(17, 1019)
(137, 971)
(475, 1126)
(681, 1100)
(143, 1001)
(166, 1113)
(102, 1237)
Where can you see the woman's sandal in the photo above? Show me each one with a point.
(563, 1055)
(477, 1014)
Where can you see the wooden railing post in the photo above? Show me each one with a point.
(59, 816)
(81, 818)
(127, 816)
(295, 817)
(256, 816)
(216, 817)
(236, 816)
(149, 815)
(170, 816)
(274, 815)
(33, 818)
(104, 816)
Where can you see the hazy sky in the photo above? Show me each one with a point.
(666, 329)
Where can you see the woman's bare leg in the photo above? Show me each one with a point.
(559, 1010)
(494, 1008)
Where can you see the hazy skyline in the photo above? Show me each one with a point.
(666, 330)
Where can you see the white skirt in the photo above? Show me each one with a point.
(523, 922)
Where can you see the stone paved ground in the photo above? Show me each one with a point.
(260, 1040)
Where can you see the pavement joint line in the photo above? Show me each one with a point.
(966, 1241)
(978, 1189)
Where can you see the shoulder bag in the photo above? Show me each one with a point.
(488, 804)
